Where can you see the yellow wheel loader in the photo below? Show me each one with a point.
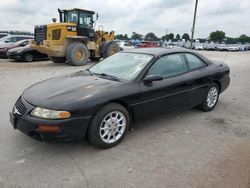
(74, 39)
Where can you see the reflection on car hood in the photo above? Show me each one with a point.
(63, 91)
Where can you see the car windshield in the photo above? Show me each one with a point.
(124, 66)
(4, 38)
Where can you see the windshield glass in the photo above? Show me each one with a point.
(125, 66)
(71, 17)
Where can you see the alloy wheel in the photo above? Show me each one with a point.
(112, 127)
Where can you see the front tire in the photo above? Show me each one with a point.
(28, 57)
(109, 126)
(77, 54)
(111, 49)
(211, 98)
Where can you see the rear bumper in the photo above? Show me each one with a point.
(70, 129)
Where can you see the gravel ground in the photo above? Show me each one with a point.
(188, 149)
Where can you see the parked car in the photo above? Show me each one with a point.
(125, 45)
(148, 44)
(102, 102)
(198, 46)
(233, 47)
(4, 35)
(221, 47)
(26, 54)
(5, 48)
(11, 39)
(210, 46)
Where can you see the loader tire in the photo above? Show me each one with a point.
(77, 54)
(111, 49)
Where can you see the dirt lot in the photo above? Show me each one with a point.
(188, 149)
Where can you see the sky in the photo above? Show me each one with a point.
(141, 16)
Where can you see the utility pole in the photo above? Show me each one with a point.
(193, 28)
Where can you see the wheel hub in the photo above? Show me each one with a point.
(112, 127)
(79, 54)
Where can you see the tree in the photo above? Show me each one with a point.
(136, 36)
(217, 36)
(151, 37)
(185, 36)
(169, 36)
(178, 37)
(244, 38)
(122, 37)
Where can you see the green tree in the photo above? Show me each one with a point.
(151, 37)
(122, 37)
(217, 36)
(136, 36)
(178, 37)
(169, 36)
(185, 36)
(244, 38)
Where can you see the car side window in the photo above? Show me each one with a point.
(168, 66)
(194, 62)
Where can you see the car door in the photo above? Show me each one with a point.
(171, 93)
(200, 78)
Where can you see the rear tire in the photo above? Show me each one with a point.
(112, 48)
(77, 54)
(109, 126)
(210, 99)
(57, 59)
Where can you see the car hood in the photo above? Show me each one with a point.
(63, 92)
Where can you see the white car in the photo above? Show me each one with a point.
(198, 46)
(233, 48)
(4, 35)
(11, 39)
(125, 45)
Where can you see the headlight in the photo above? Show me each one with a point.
(50, 114)
(19, 51)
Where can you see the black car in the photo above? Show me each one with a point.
(26, 54)
(102, 102)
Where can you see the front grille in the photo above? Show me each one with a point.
(19, 109)
(40, 34)
(56, 34)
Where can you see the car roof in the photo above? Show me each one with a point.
(158, 51)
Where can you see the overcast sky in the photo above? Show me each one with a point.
(142, 16)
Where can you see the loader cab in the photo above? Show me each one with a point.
(82, 18)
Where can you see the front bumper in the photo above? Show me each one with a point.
(15, 56)
(47, 47)
(70, 129)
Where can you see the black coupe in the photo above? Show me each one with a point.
(102, 102)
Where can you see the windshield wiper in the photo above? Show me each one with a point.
(109, 76)
(91, 73)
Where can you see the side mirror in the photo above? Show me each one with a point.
(97, 16)
(151, 78)
(7, 41)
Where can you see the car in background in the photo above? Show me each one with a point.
(148, 44)
(125, 45)
(26, 54)
(5, 48)
(198, 46)
(11, 39)
(233, 47)
(4, 35)
(210, 46)
(221, 47)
